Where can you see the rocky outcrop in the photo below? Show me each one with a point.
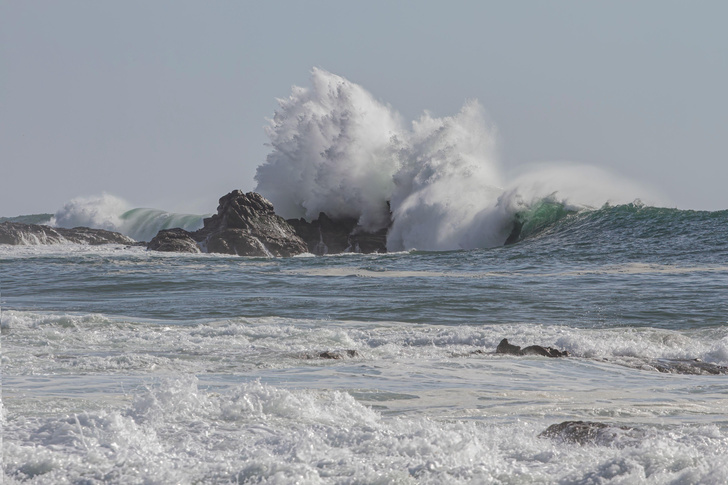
(174, 240)
(16, 233)
(245, 224)
(327, 236)
(506, 348)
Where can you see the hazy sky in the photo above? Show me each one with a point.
(164, 103)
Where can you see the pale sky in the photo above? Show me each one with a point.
(163, 103)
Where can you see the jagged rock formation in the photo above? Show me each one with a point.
(326, 236)
(245, 224)
(16, 233)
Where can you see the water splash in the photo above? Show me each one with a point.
(98, 212)
(336, 149)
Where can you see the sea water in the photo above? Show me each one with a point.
(124, 366)
(121, 365)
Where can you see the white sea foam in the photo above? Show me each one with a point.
(99, 344)
(179, 432)
(416, 403)
(101, 212)
(338, 150)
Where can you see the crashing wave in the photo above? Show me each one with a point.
(437, 182)
(114, 214)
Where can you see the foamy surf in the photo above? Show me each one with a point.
(95, 343)
(178, 430)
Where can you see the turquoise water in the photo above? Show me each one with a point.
(127, 366)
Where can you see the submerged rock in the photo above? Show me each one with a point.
(671, 366)
(593, 433)
(16, 233)
(245, 224)
(338, 355)
(688, 366)
(330, 354)
(506, 348)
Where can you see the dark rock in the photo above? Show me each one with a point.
(594, 433)
(506, 348)
(338, 355)
(327, 236)
(672, 366)
(688, 366)
(544, 351)
(16, 233)
(245, 225)
(668, 366)
(174, 240)
(235, 241)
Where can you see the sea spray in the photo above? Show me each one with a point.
(447, 185)
(333, 151)
(98, 212)
(337, 150)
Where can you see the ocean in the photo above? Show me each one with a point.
(125, 366)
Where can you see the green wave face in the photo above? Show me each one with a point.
(549, 218)
(143, 224)
(537, 218)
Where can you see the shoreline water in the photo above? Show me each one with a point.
(122, 365)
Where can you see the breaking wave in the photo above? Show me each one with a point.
(114, 214)
(438, 182)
